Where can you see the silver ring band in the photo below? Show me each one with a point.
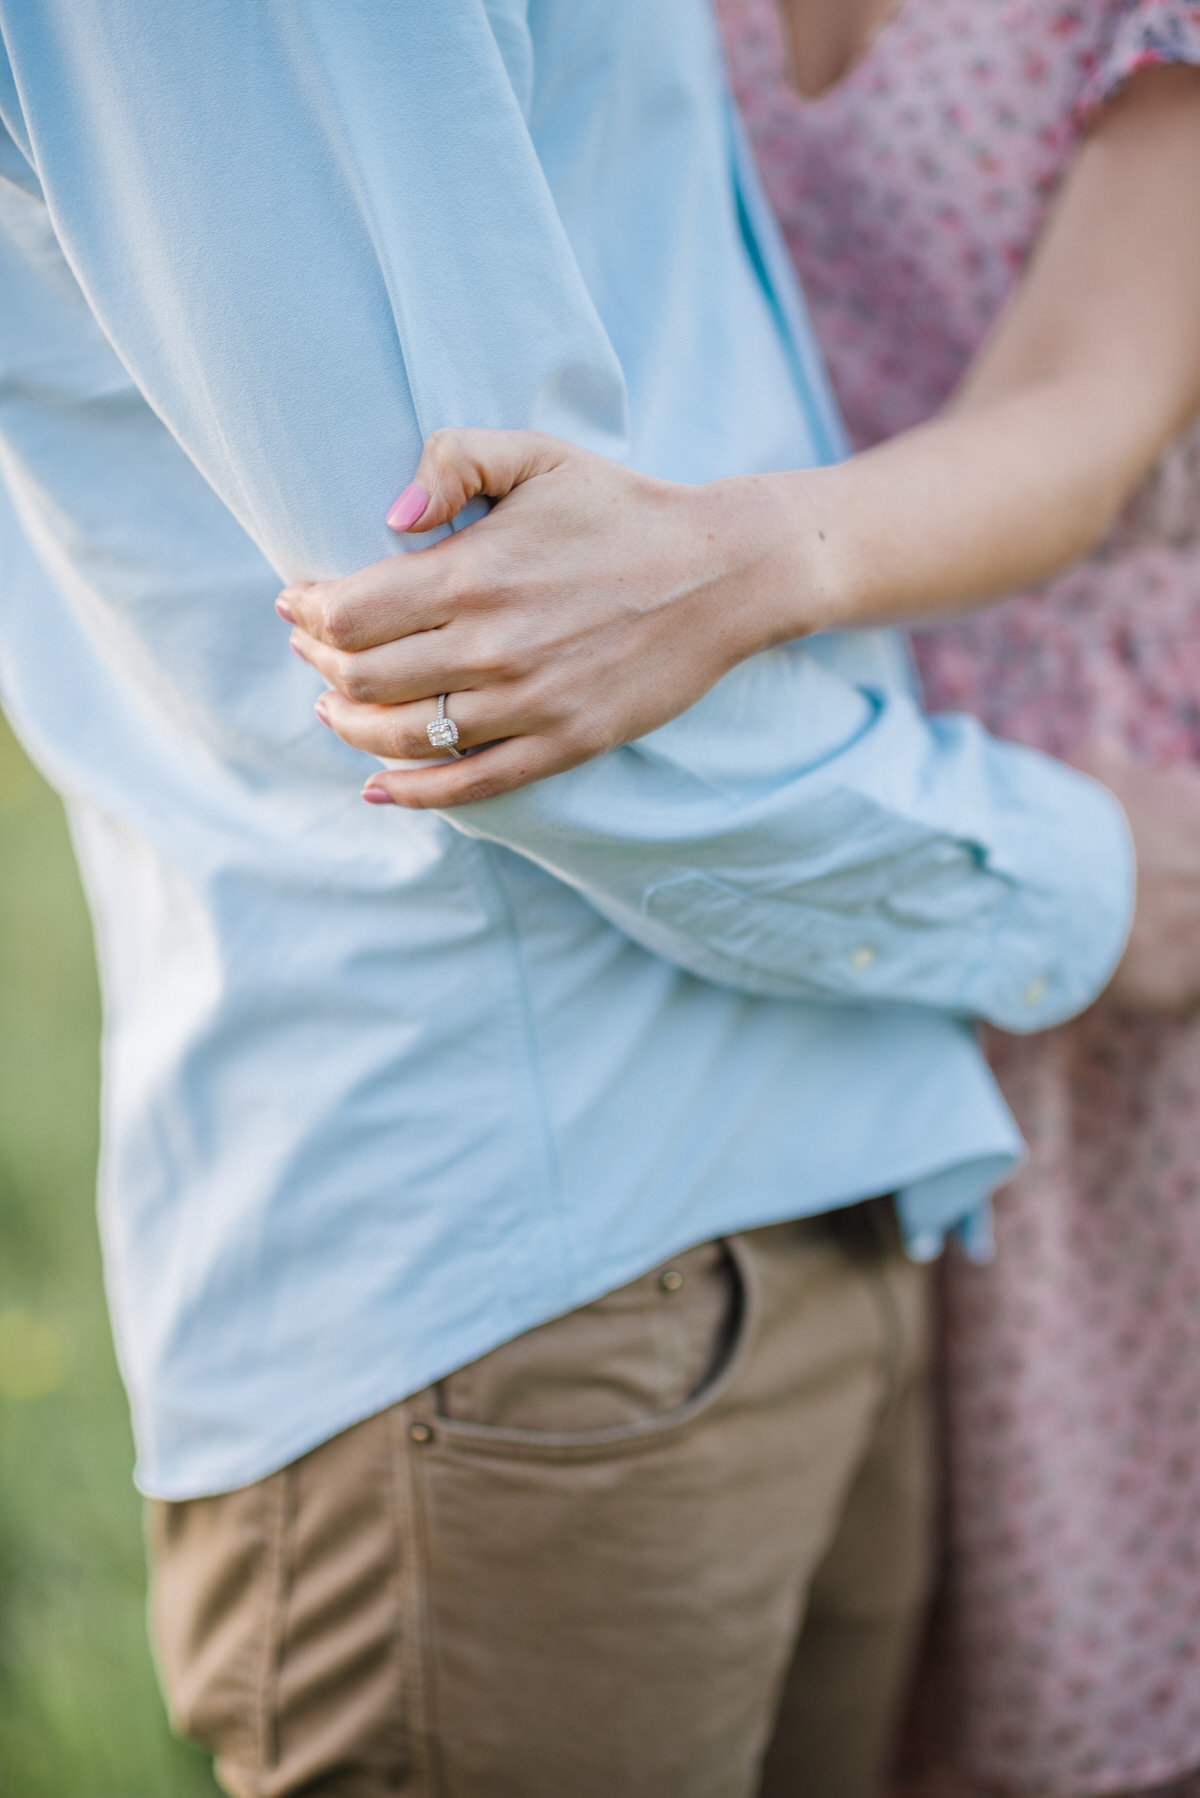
(442, 731)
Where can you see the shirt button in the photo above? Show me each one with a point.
(1035, 992)
(671, 1281)
(420, 1432)
(862, 958)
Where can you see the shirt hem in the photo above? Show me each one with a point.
(382, 1395)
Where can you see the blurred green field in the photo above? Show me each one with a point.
(80, 1715)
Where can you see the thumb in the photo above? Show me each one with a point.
(457, 465)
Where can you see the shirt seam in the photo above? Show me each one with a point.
(539, 1126)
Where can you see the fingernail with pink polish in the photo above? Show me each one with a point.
(296, 649)
(408, 508)
(285, 611)
(321, 708)
(376, 796)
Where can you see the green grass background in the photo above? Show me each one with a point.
(80, 1714)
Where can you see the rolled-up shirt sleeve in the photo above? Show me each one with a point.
(797, 836)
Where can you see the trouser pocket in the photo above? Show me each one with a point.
(606, 1547)
(635, 1357)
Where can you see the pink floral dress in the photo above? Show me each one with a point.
(911, 195)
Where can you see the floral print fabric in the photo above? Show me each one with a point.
(1144, 31)
(911, 196)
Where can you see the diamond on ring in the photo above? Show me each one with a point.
(442, 731)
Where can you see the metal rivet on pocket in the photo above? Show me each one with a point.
(420, 1432)
(671, 1281)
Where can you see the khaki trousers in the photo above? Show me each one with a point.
(673, 1545)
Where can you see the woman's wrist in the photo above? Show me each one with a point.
(786, 556)
(823, 587)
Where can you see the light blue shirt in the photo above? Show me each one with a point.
(382, 1090)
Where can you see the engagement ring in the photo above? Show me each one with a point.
(442, 731)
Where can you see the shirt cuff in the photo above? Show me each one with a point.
(1075, 880)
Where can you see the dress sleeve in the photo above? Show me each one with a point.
(1142, 32)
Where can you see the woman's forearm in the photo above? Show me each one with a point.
(1092, 370)
(948, 516)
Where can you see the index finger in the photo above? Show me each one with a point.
(391, 599)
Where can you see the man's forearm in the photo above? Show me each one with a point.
(794, 837)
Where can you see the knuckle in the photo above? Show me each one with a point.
(549, 710)
(484, 669)
(336, 623)
(402, 741)
(353, 680)
(461, 586)
(487, 658)
(589, 734)
(474, 792)
(551, 449)
(502, 653)
(544, 696)
(442, 448)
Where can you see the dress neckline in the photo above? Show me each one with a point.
(888, 19)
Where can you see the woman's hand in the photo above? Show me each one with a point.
(590, 606)
(1160, 970)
